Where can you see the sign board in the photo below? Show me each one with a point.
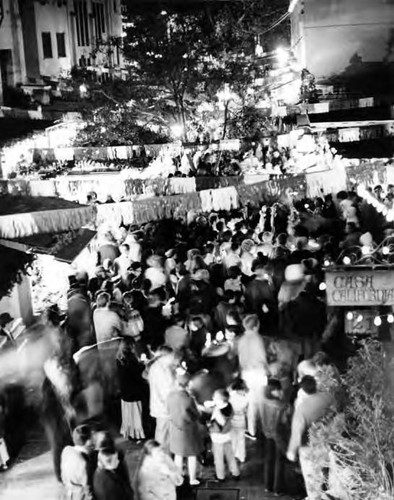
(360, 287)
(361, 324)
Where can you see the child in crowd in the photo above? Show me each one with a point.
(239, 403)
(220, 432)
(4, 457)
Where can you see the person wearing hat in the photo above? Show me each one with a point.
(260, 298)
(185, 437)
(155, 272)
(78, 464)
(6, 338)
(111, 479)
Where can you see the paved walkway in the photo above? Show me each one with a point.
(31, 476)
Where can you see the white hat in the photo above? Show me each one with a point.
(294, 273)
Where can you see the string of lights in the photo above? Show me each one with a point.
(378, 320)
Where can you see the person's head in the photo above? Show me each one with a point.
(235, 247)
(5, 318)
(136, 268)
(350, 227)
(232, 318)
(196, 324)
(108, 458)
(378, 190)
(267, 237)
(308, 384)
(321, 359)
(273, 389)
(221, 397)
(342, 195)
(124, 249)
(251, 323)
(209, 248)
(282, 239)
(151, 449)
(234, 272)
(259, 267)
(82, 436)
(103, 299)
(239, 386)
(156, 297)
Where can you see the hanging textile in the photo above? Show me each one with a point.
(219, 199)
(180, 185)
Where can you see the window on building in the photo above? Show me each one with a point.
(115, 6)
(82, 22)
(99, 19)
(61, 44)
(47, 45)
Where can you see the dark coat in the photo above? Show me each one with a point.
(111, 485)
(132, 385)
(185, 438)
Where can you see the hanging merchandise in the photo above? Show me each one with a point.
(206, 200)
(181, 185)
(225, 199)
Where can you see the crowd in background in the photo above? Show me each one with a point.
(202, 335)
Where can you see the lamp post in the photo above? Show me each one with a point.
(225, 96)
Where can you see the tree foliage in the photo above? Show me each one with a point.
(186, 56)
(360, 440)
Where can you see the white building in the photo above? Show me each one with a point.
(327, 34)
(41, 40)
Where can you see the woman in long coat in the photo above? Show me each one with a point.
(185, 436)
(133, 389)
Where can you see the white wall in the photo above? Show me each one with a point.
(11, 39)
(53, 19)
(18, 304)
(330, 32)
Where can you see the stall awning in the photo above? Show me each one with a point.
(64, 246)
(24, 216)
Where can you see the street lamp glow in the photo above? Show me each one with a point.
(177, 130)
(282, 56)
(83, 89)
(225, 95)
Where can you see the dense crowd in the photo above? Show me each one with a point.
(201, 161)
(196, 335)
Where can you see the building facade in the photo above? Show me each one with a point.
(41, 40)
(327, 35)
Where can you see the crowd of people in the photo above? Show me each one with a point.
(198, 161)
(195, 337)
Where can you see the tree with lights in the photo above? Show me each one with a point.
(183, 58)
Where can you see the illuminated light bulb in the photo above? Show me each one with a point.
(346, 260)
(385, 250)
(322, 287)
(359, 318)
(349, 316)
(365, 250)
(390, 318)
(326, 263)
(377, 321)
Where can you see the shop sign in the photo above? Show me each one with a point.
(361, 323)
(356, 287)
